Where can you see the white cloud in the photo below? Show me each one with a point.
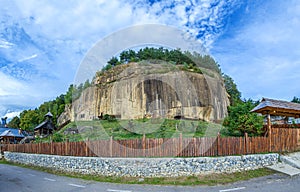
(88, 21)
(62, 31)
(13, 94)
(22, 94)
(201, 18)
(262, 53)
(79, 19)
(28, 58)
(10, 86)
(5, 44)
(13, 114)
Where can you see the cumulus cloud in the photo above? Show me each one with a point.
(203, 19)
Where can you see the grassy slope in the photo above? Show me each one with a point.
(125, 129)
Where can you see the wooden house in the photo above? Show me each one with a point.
(46, 127)
(11, 135)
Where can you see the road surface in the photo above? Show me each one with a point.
(19, 179)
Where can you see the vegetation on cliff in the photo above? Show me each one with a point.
(190, 61)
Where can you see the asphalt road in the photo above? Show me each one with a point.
(17, 179)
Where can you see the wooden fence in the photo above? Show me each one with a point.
(281, 140)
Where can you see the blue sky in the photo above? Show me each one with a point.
(42, 43)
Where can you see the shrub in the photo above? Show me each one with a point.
(240, 120)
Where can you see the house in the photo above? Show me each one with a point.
(11, 135)
(46, 127)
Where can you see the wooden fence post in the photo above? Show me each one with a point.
(111, 146)
(66, 147)
(180, 144)
(23, 146)
(269, 125)
(270, 140)
(51, 148)
(87, 147)
(297, 139)
(218, 145)
(144, 145)
(246, 144)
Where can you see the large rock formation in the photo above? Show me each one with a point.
(141, 90)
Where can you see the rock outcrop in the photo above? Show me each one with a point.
(139, 90)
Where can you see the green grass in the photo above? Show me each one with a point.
(135, 129)
(210, 180)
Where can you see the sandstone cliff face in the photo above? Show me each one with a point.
(65, 117)
(152, 90)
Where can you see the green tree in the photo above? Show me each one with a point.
(60, 102)
(232, 90)
(204, 61)
(42, 110)
(240, 120)
(68, 96)
(296, 100)
(29, 119)
(77, 90)
(86, 84)
(107, 67)
(114, 61)
(14, 123)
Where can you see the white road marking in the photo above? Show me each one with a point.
(116, 190)
(75, 185)
(233, 189)
(49, 179)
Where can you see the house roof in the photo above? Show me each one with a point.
(278, 108)
(10, 132)
(45, 125)
(49, 114)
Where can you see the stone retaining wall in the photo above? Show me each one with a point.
(145, 167)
